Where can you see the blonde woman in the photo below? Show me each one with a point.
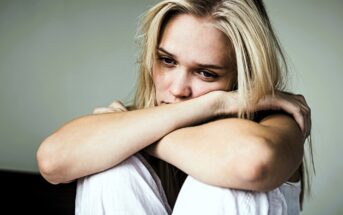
(210, 131)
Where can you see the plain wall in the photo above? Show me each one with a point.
(61, 59)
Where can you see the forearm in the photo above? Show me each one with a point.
(96, 142)
(232, 153)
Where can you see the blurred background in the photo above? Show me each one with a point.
(61, 59)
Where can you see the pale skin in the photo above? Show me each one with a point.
(191, 76)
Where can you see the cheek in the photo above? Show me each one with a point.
(161, 82)
(160, 79)
(201, 88)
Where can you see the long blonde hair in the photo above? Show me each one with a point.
(260, 64)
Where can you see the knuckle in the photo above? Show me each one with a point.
(308, 110)
(302, 98)
(97, 110)
(298, 110)
(116, 104)
(299, 95)
(102, 110)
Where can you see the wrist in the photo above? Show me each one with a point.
(215, 103)
(223, 103)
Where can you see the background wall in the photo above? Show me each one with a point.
(61, 59)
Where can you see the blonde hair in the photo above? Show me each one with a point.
(260, 64)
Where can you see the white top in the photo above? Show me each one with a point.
(132, 187)
(291, 192)
(199, 198)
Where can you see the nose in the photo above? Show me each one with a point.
(181, 87)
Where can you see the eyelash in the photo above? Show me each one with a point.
(212, 75)
(164, 59)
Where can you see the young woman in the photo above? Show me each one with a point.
(210, 117)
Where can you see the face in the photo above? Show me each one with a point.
(193, 58)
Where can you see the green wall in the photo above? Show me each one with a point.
(311, 32)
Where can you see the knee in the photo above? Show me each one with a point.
(117, 189)
(117, 175)
(196, 196)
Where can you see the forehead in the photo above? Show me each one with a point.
(195, 39)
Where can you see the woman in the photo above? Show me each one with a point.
(209, 104)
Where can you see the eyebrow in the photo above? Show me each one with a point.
(209, 66)
(165, 51)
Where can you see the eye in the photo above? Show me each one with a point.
(207, 75)
(167, 60)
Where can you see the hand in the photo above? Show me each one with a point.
(115, 106)
(295, 105)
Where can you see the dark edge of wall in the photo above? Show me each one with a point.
(30, 193)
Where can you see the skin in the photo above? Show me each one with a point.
(189, 68)
(185, 71)
(230, 152)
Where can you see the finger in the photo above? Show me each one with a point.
(296, 106)
(306, 112)
(309, 123)
(308, 118)
(102, 110)
(299, 118)
(306, 123)
(268, 103)
(296, 111)
(118, 109)
(118, 105)
(302, 99)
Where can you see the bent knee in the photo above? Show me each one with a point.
(119, 174)
(198, 197)
(118, 188)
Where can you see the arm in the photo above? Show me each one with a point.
(93, 143)
(236, 153)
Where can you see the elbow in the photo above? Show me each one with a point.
(257, 177)
(47, 171)
(257, 172)
(47, 163)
